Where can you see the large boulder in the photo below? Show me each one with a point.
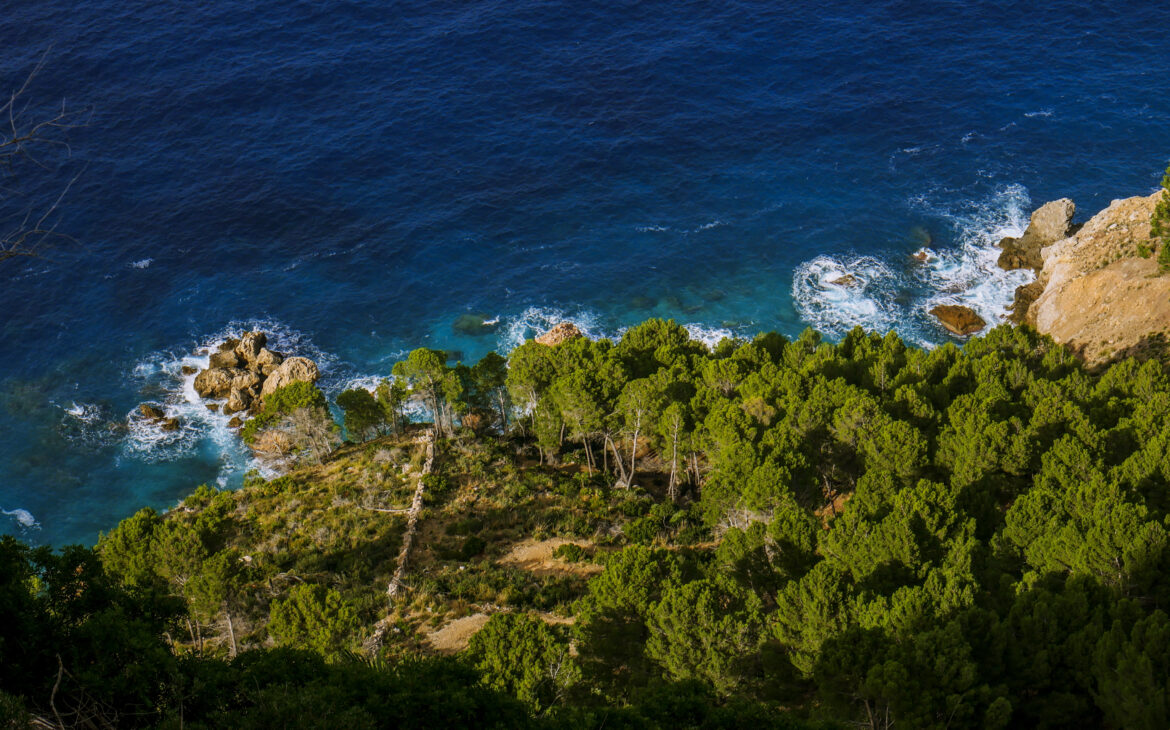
(1050, 223)
(563, 332)
(223, 359)
(250, 346)
(960, 320)
(247, 380)
(292, 370)
(238, 401)
(267, 361)
(215, 382)
(151, 412)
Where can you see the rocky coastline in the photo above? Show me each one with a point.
(1098, 286)
(242, 371)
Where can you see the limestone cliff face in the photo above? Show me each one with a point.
(1097, 293)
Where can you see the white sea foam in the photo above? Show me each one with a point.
(201, 428)
(1041, 113)
(23, 518)
(968, 274)
(142, 263)
(834, 309)
(535, 321)
(883, 297)
(88, 425)
(709, 336)
(88, 413)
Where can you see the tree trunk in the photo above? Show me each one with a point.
(617, 460)
(232, 633)
(588, 455)
(634, 452)
(671, 490)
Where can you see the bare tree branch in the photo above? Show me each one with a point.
(30, 134)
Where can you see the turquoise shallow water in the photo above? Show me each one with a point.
(353, 178)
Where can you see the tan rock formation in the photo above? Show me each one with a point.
(250, 346)
(563, 332)
(1049, 224)
(960, 320)
(216, 382)
(1100, 294)
(292, 370)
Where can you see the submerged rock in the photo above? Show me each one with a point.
(563, 332)
(1049, 224)
(958, 319)
(474, 324)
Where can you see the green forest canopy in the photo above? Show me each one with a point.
(860, 532)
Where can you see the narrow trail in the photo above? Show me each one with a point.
(397, 582)
(396, 585)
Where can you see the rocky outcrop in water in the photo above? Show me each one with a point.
(1099, 289)
(563, 332)
(154, 414)
(1049, 224)
(243, 371)
(959, 320)
(292, 370)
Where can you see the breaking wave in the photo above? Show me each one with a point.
(835, 294)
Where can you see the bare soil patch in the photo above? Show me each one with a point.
(536, 556)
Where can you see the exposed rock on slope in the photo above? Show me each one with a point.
(563, 332)
(1097, 292)
(1049, 224)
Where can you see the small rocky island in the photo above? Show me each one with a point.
(241, 372)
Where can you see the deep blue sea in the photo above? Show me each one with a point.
(354, 176)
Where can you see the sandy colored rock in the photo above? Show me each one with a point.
(1049, 224)
(292, 370)
(563, 332)
(239, 400)
(250, 346)
(1100, 295)
(215, 382)
(849, 280)
(223, 359)
(170, 424)
(958, 319)
(151, 412)
(267, 360)
(246, 380)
